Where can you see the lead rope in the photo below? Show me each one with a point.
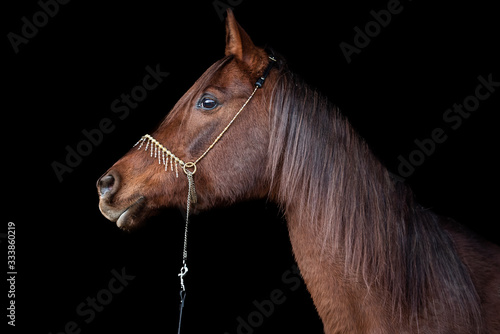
(191, 198)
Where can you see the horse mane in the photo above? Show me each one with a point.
(325, 172)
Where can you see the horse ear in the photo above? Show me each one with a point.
(239, 44)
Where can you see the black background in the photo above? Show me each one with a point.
(64, 79)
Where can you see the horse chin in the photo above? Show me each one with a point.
(128, 219)
(132, 216)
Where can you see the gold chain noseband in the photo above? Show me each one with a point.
(166, 157)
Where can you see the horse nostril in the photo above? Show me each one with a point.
(107, 185)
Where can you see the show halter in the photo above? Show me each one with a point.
(189, 168)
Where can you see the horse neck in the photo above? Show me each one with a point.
(357, 235)
(332, 235)
(330, 185)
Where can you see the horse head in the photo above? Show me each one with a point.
(228, 163)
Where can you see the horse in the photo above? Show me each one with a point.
(372, 258)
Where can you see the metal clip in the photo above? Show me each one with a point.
(183, 272)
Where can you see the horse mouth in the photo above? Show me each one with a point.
(128, 218)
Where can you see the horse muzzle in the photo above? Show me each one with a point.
(126, 215)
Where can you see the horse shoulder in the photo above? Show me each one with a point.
(482, 258)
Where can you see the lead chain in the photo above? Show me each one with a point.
(191, 198)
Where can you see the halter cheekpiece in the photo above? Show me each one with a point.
(167, 158)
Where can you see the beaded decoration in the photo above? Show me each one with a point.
(162, 153)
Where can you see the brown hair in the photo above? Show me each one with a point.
(324, 171)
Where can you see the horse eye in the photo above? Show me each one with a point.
(207, 103)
